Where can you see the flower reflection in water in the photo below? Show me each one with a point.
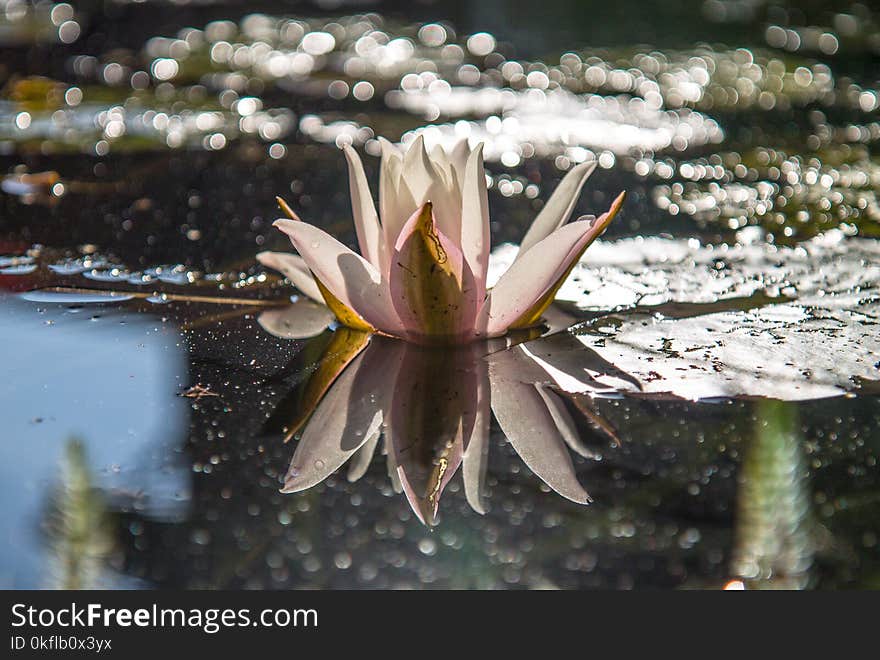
(433, 407)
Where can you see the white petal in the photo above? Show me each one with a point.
(564, 423)
(559, 207)
(447, 210)
(418, 171)
(476, 453)
(445, 195)
(475, 218)
(362, 458)
(366, 220)
(443, 166)
(459, 158)
(390, 150)
(294, 268)
(395, 202)
(423, 180)
(523, 416)
(326, 441)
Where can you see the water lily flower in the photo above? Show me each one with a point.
(422, 272)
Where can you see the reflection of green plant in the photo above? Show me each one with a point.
(774, 545)
(63, 118)
(80, 536)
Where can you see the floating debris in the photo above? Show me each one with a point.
(198, 392)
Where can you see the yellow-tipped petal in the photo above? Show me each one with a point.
(285, 207)
(351, 279)
(345, 314)
(533, 315)
(425, 280)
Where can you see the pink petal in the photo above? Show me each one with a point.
(366, 220)
(431, 292)
(390, 461)
(347, 419)
(362, 458)
(348, 276)
(530, 277)
(564, 422)
(558, 208)
(542, 269)
(531, 431)
(382, 362)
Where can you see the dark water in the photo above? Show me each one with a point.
(144, 441)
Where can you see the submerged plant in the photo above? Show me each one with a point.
(81, 542)
(422, 272)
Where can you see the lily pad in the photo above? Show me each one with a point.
(702, 322)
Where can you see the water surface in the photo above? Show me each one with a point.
(701, 409)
